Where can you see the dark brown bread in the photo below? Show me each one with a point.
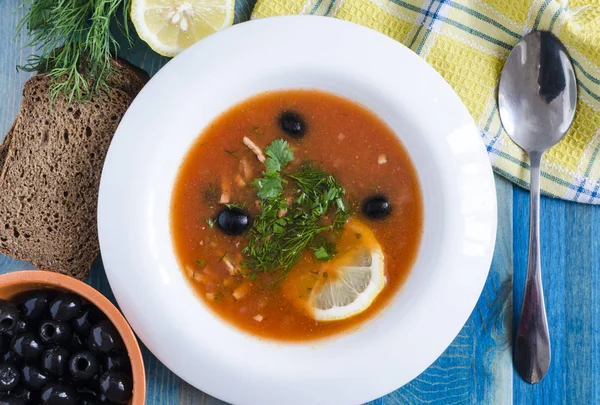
(128, 78)
(4, 146)
(49, 182)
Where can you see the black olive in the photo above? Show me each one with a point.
(116, 386)
(10, 357)
(65, 307)
(34, 304)
(23, 393)
(9, 315)
(86, 397)
(9, 377)
(4, 344)
(104, 337)
(293, 124)
(55, 361)
(117, 362)
(77, 343)
(85, 319)
(20, 327)
(27, 346)
(33, 377)
(55, 332)
(233, 221)
(83, 366)
(11, 400)
(376, 207)
(58, 393)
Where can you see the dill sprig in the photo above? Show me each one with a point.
(74, 43)
(276, 242)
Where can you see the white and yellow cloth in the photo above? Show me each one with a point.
(467, 42)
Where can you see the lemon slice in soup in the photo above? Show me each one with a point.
(170, 26)
(352, 281)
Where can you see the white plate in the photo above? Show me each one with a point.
(297, 52)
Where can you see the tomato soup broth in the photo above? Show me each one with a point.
(343, 139)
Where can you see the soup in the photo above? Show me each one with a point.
(297, 214)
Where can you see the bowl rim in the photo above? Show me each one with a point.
(135, 194)
(43, 278)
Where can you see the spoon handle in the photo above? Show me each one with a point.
(532, 345)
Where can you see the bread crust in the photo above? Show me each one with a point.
(50, 167)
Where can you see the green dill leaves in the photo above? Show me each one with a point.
(75, 43)
(287, 226)
(235, 206)
(232, 153)
(211, 222)
(319, 189)
(279, 155)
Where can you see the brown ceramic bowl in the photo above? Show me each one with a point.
(20, 281)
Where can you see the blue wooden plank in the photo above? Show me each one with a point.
(14, 52)
(581, 248)
(570, 260)
(591, 351)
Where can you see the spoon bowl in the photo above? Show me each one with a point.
(537, 96)
(538, 92)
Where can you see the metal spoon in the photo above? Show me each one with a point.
(537, 97)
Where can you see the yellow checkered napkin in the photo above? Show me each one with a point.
(467, 41)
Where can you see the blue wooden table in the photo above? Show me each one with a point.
(477, 367)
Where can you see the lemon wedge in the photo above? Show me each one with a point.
(170, 26)
(352, 282)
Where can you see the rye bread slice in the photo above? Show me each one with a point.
(49, 183)
(128, 78)
(5, 145)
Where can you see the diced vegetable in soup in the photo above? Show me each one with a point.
(296, 215)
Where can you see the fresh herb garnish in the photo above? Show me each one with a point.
(211, 222)
(222, 257)
(234, 205)
(322, 254)
(75, 43)
(200, 262)
(276, 241)
(269, 186)
(279, 155)
(232, 153)
(323, 248)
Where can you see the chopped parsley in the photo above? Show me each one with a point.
(322, 254)
(279, 155)
(276, 242)
(269, 186)
(323, 248)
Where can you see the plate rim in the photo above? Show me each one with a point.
(311, 21)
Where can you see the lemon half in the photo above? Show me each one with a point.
(170, 26)
(353, 280)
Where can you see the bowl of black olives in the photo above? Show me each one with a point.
(64, 343)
